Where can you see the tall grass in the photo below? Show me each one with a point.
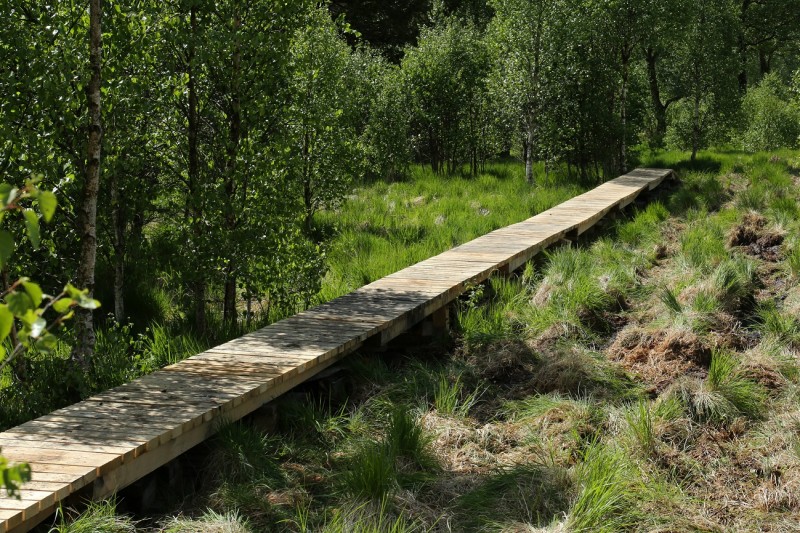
(209, 522)
(483, 322)
(449, 398)
(364, 517)
(407, 439)
(641, 423)
(384, 227)
(776, 325)
(99, 516)
(726, 394)
(371, 472)
(606, 492)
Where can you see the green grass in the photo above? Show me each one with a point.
(777, 325)
(209, 522)
(793, 260)
(450, 398)
(724, 377)
(641, 422)
(385, 227)
(645, 226)
(99, 516)
(407, 439)
(726, 394)
(369, 517)
(606, 491)
(371, 472)
(522, 494)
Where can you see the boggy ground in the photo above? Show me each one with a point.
(645, 379)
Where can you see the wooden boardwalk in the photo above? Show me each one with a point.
(108, 441)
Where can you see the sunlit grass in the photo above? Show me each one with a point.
(384, 227)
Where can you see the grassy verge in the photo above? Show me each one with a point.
(645, 379)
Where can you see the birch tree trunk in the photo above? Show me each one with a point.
(529, 155)
(87, 212)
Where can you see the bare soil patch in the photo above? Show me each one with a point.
(753, 236)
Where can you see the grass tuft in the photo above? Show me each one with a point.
(724, 377)
(605, 492)
(209, 522)
(793, 260)
(406, 438)
(726, 394)
(244, 454)
(449, 397)
(99, 516)
(640, 419)
(530, 494)
(778, 326)
(371, 472)
(671, 302)
(365, 517)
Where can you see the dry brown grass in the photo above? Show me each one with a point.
(658, 358)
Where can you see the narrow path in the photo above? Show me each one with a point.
(100, 445)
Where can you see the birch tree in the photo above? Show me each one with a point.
(87, 210)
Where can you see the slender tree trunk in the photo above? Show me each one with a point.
(87, 212)
(529, 155)
(249, 308)
(659, 109)
(118, 221)
(434, 150)
(308, 191)
(696, 126)
(195, 191)
(229, 300)
(764, 62)
(742, 77)
(20, 368)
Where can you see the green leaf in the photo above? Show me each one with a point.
(6, 248)
(62, 305)
(34, 291)
(13, 476)
(6, 321)
(19, 303)
(74, 292)
(28, 318)
(47, 203)
(32, 227)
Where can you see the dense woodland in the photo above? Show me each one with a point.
(198, 151)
